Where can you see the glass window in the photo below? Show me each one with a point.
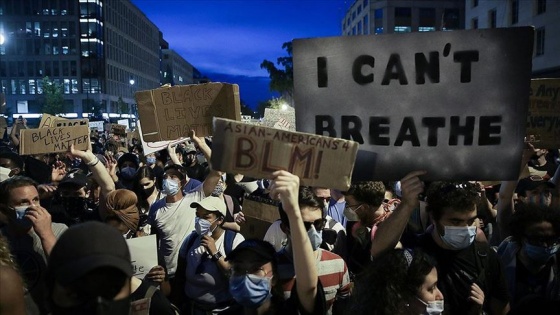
(366, 24)
(378, 21)
(66, 86)
(540, 38)
(32, 89)
(541, 6)
(474, 23)
(427, 21)
(514, 11)
(360, 31)
(403, 20)
(451, 19)
(37, 29)
(475, 3)
(23, 87)
(74, 86)
(492, 18)
(39, 86)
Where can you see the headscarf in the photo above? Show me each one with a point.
(121, 203)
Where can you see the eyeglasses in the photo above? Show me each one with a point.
(325, 199)
(354, 207)
(547, 241)
(319, 224)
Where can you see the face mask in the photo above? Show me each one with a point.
(147, 192)
(75, 207)
(459, 237)
(315, 237)
(351, 214)
(202, 226)
(99, 306)
(540, 254)
(21, 220)
(151, 160)
(433, 307)
(250, 290)
(219, 190)
(170, 187)
(128, 172)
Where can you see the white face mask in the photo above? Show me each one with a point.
(433, 307)
(170, 187)
(458, 237)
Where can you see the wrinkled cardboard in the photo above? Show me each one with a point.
(256, 151)
(169, 113)
(54, 139)
(258, 218)
(543, 121)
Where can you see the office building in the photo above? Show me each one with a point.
(543, 15)
(366, 17)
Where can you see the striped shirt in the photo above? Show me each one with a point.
(331, 269)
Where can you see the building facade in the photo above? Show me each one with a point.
(543, 15)
(366, 17)
(100, 51)
(175, 69)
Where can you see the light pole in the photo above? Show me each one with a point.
(131, 82)
(2, 39)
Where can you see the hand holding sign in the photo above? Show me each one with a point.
(411, 187)
(285, 187)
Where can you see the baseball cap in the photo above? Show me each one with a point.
(532, 183)
(74, 178)
(190, 148)
(84, 247)
(263, 249)
(211, 204)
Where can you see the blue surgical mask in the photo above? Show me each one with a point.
(128, 172)
(459, 237)
(315, 237)
(540, 254)
(151, 160)
(250, 290)
(170, 187)
(21, 220)
(202, 226)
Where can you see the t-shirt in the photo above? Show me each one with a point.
(336, 211)
(190, 185)
(458, 269)
(275, 236)
(158, 303)
(31, 259)
(331, 270)
(172, 222)
(205, 282)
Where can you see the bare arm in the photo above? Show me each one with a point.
(389, 231)
(11, 295)
(98, 170)
(286, 187)
(213, 177)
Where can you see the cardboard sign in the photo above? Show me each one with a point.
(280, 118)
(256, 151)
(118, 130)
(169, 113)
(97, 124)
(151, 147)
(445, 102)
(143, 254)
(48, 121)
(259, 213)
(543, 121)
(54, 139)
(124, 122)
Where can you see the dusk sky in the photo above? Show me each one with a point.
(228, 39)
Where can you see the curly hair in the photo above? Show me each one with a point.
(526, 215)
(459, 196)
(306, 198)
(368, 192)
(390, 282)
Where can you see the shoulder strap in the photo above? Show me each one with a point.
(482, 263)
(150, 292)
(228, 241)
(229, 202)
(190, 242)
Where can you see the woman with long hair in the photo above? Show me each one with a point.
(145, 187)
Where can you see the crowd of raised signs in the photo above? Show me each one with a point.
(404, 247)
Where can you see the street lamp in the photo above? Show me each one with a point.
(2, 39)
(131, 81)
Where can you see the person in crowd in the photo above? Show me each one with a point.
(11, 161)
(405, 280)
(542, 163)
(201, 280)
(13, 293)
(465, 267)
(234, 216)
(331, 268)
(364, 200)
(254, 281)
(194, 168)
(333, 234)
(127, 165)
(148, 193)
(530, 255)
(337, 204)
(171, 218)
(29, 231)
(190, 183)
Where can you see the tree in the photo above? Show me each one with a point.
(246, 110)
(282, 81)
(53, 100)
(122, 107)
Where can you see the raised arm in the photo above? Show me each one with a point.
(213, 177)
(389, 231)
(286, 187)
(98, 171)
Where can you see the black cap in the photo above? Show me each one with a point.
(532, 183)
(128, 157)
(263, 249)
(74, 178)
(85, 247)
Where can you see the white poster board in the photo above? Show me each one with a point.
(143, 254)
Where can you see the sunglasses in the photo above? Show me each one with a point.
(327, 199)
(319, 224)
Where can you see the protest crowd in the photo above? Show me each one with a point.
(402, 247)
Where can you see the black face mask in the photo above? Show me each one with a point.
(147, 192)
(75, 207)
(98, 306)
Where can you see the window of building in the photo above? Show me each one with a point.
(514, 11)
(427, 22)
(539, 39)
(359, 9)
(360, 31)
(74, 86)
(66, 86)
(403, 20)
(32, 88)
(541, 6)
(492, 18)
(475, 3)
(451, 19)
(366, 24)
(474, 23)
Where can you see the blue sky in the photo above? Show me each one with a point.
(228, 39)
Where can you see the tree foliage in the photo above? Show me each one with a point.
(246, 110)
(282, 80)
(122, 107)
(53, 103)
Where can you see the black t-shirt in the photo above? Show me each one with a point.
(458, 269)
(158, 304)
(196, 171)
(293, 305)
